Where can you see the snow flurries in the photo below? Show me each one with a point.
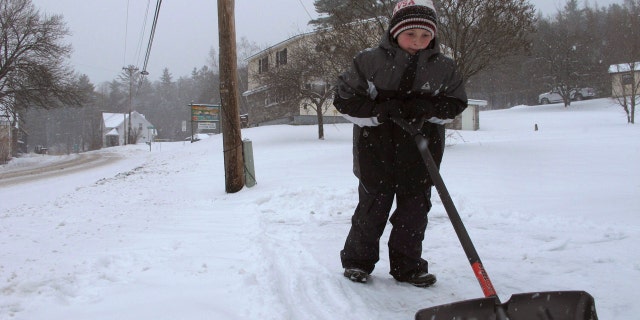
(153, 235)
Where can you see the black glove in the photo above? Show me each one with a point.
(447, 109)
(416, 108)
(437, 107)
(387, 109)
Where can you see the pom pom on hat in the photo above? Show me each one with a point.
(410, 14)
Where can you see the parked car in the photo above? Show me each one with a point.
(583, 93)
(575, 94)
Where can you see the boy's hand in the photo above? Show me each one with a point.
(416, 108)
(387, 109)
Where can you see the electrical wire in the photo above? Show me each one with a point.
(144, 71)
(126, 31)
(153, 32)
(305, 9)
(144, 27)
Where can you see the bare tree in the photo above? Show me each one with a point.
(482, 33)
(624, 31)
(350, 26)
(563, 47)
(245, 49)
(477, 33)
(66, 128)
(32, 59)
(304, 78)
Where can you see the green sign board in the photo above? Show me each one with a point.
(205, 113)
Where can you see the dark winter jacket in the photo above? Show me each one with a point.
(386, 159)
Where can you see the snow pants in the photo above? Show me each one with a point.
(409, 222)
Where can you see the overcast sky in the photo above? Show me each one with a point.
(105, 40)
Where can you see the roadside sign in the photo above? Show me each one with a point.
(204, 117)
(207, 125)
(205, 112)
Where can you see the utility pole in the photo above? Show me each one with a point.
(231, 137)
(131, 69)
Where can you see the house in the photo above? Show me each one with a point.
(5, 139)
(625, 79)
(267, 105)
(11, 136)
(114, 126)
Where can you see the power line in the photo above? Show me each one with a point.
(144, 27)
(153, 32)
(126, 31)
(305, 9)
(151, 36)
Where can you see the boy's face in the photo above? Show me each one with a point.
(413, 40)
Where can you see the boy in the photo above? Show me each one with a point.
(406, 76)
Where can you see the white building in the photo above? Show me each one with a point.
(10, 135)
(625, 79)
(469, 119)
(115, 126)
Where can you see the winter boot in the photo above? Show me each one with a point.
(420, 279)
(356, 275)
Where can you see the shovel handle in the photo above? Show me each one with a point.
(452, 212)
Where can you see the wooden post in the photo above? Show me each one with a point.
(230, 117)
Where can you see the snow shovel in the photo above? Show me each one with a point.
(552, 305)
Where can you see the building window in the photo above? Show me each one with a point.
(319, 88)
(263, 65)
(627, 78)
(281, 96)
(275, 97)
(281, 57)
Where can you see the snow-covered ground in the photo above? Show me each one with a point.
(155, 236)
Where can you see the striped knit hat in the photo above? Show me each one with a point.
(410, 14)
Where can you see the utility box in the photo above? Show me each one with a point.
(249, 170)
(469, 119)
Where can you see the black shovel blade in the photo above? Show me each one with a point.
(552, 305)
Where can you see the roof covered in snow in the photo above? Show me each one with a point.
(624, 67)
(113, 132)
(114, 120)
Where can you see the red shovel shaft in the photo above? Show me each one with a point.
(483, 278)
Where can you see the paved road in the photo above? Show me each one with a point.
(83, 161)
